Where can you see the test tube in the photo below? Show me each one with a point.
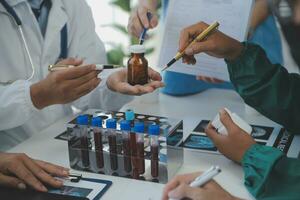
(97, 126)
(125, 128)
(129, 116)
(82, 122)
(133, 148)
(111, 125)
(139, 129)
(154, 134)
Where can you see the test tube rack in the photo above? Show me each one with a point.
(85, 155)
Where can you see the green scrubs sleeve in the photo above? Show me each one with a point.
(269, 88)
(270, 175)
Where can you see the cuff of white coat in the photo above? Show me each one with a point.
(27, 98)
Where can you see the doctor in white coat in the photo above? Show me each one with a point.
(31, 98)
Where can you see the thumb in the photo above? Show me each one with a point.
(71, 61)
(227, 121)
(211, 132)
(184, 191)
(154, 75)
(11, 182)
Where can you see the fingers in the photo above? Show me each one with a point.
(13, 182)
(155, 85)
(53, 169)
(134, 26)
(189, 34)
(76, 72)
(38, 172)
(227, 121)
(126, 88)
(154, 21)
(154, 75)
(185, 191)
(142, 15)
(137, 90)
(84, 79)
(190, 60)
(19, 169)
(71, 61)
(175, 182)
(200, 47)
(144, 20)
(209, 79)
(169, 187)
(213, 135)
(87, 87)
(139, 20)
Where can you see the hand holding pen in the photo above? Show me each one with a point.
(191, 40)
(196, 186)
(65, 86)
(217, 44)
(139, 21)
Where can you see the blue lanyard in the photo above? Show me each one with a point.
(63, 33)
(64, 42)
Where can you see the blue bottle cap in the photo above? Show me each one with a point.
(139, 127)
(154, 129)
(97, 122)
(111, 123)
(82, 120)
(129, 115)
(125, 125)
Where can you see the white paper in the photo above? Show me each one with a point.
(233, 16)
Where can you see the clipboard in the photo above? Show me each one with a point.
(16, 194)
(104, 190)
(89, 188)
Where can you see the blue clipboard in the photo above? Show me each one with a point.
(102, 192)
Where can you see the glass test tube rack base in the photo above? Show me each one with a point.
(111, 152)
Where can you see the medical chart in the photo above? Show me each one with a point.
(233, 16)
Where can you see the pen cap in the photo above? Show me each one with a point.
(97, 122)
(111, 123)
(129, 115)
(82, 120)
(125, 125)
(139, 127)
(137, 49)
(154, 129)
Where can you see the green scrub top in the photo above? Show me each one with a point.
(275, 93)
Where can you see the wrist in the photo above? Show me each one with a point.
(235, 52)
(38, 96)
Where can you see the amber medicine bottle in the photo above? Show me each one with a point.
(137, 66)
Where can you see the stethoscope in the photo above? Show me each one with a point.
(18, 22)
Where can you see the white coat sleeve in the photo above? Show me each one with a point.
(86, 44)
(16, 106)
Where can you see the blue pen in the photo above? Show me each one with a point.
(143, 34)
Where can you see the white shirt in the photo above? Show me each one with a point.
(19, 119)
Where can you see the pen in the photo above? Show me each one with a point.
(52, 68)
(205, 177)
(143, 34)
(199, 38)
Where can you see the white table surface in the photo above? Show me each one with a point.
(191, 109)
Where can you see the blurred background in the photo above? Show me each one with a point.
(111, 18)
